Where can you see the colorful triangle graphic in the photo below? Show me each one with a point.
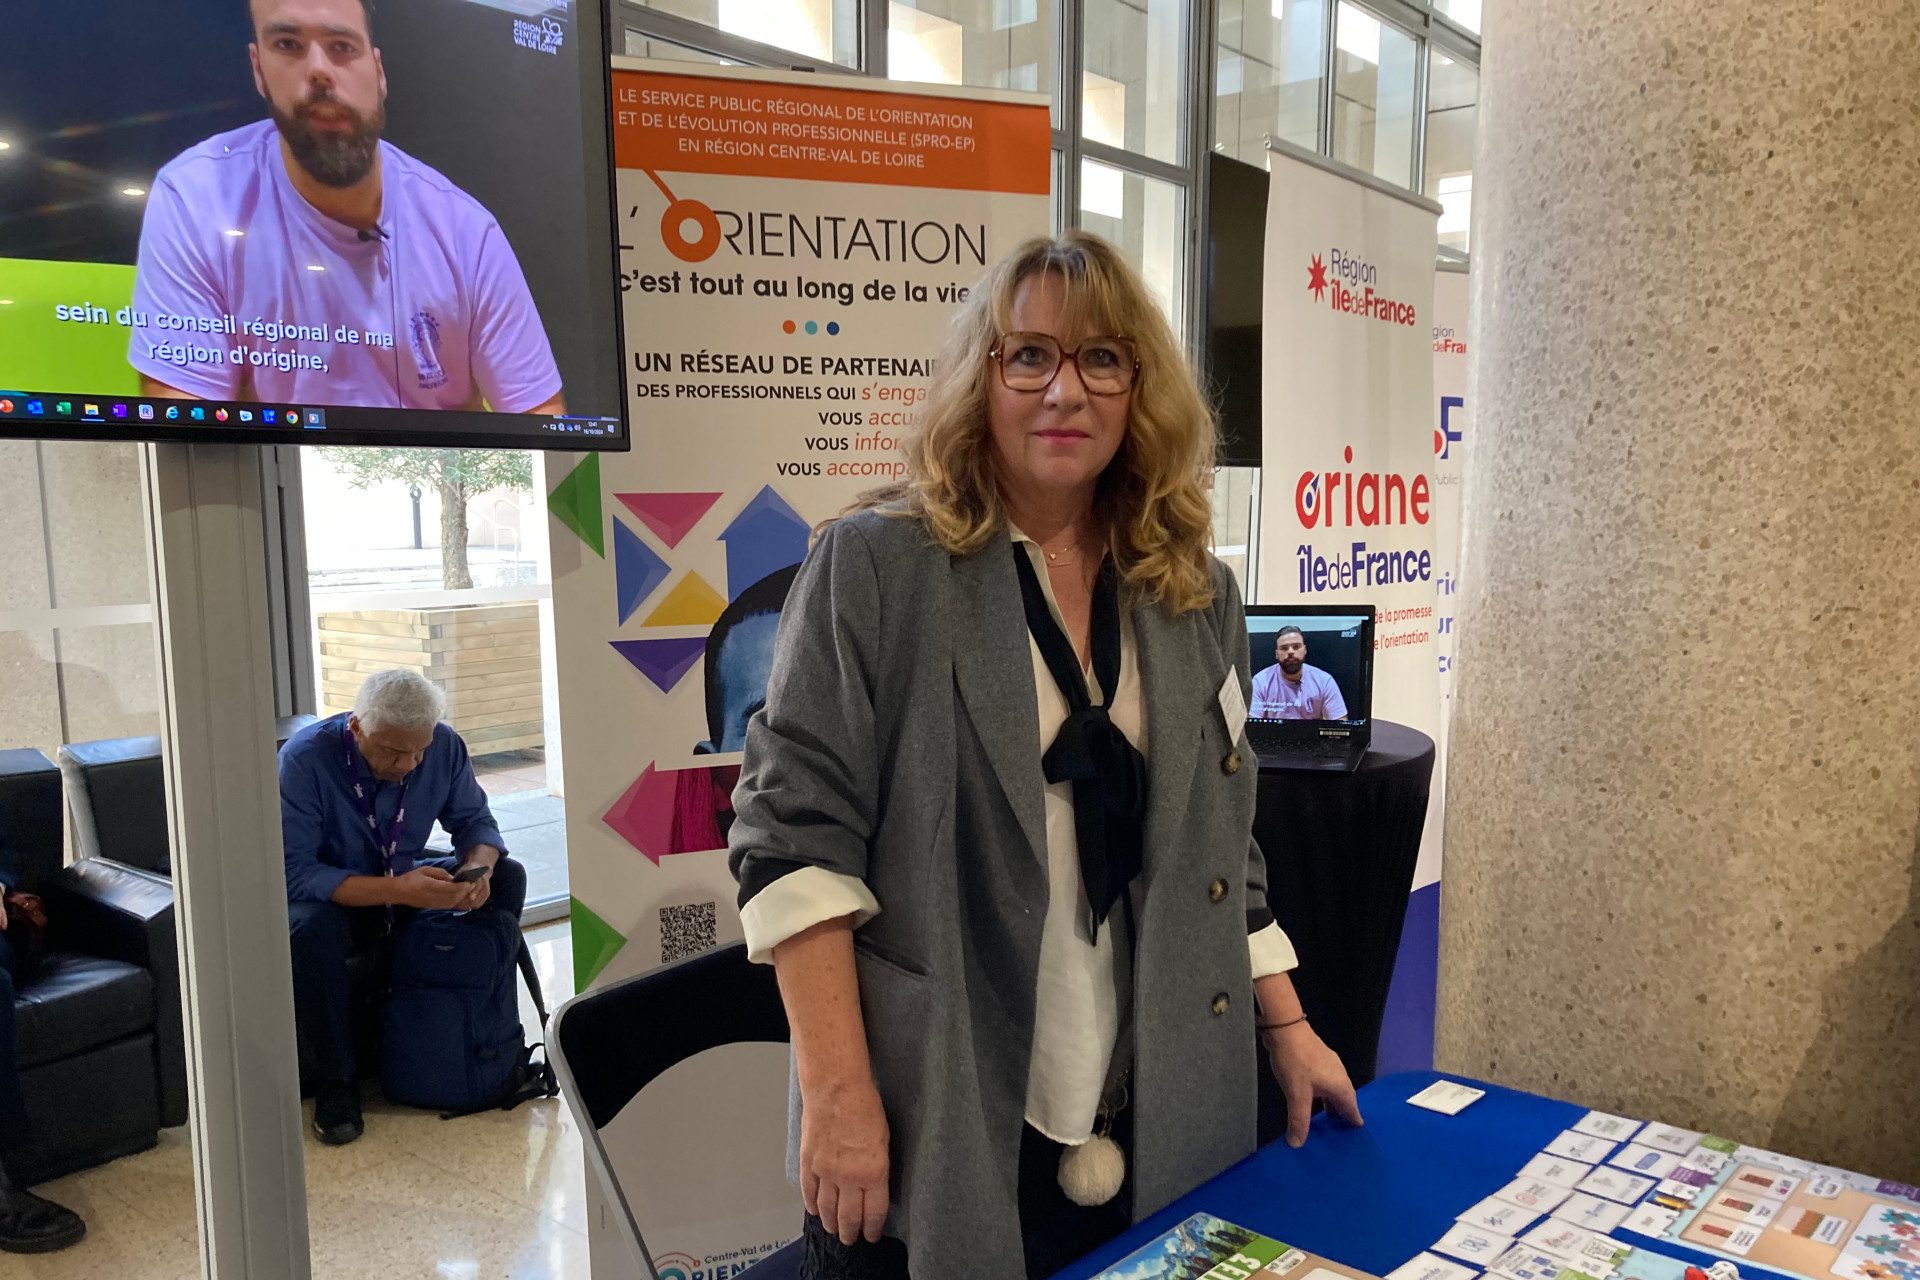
(691, 604)
(595, 942)
(637, 570)
(575, 502)
(671, 516)
(662, 661)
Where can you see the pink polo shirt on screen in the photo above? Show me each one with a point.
(443, 284)
(1315, 697)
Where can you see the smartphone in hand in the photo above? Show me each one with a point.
(468, 874)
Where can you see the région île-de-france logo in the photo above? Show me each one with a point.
(1353, 289)
(1324, 500)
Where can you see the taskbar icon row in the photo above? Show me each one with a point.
(107, 411)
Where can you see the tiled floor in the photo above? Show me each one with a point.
(494, 1195)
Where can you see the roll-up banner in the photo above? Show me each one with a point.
(1348, 495)
(792, 247)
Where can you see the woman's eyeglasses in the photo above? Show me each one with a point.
(1031, 361)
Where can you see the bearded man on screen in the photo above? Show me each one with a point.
(305, 260)
(1290, 689)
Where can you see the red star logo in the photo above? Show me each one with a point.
(1317, 278)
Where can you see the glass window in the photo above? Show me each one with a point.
(1269, 71)
(436, 560)
(1465, 13)
(1373, 88)
(1056, 220)
(1235, 492)
(1453, 107)
(78, 663)
(823, 29)
(1132, 93)
(77, 657)
(1146, 218)
(995, 44)
(641, 45)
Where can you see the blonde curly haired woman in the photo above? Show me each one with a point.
(994, 822)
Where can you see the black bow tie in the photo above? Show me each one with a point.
(1108, 774)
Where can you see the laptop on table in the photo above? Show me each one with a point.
(1312, 703)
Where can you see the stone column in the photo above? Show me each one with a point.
(1683, 879)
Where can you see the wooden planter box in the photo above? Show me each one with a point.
(485, 656)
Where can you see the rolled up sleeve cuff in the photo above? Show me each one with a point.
(318, 884)
(798, 901)
(1272, 952)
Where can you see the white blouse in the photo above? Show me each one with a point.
(1083, 991)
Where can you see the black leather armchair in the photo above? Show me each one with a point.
(100, 1031)
(116, 792)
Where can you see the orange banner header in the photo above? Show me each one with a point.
(665, 123)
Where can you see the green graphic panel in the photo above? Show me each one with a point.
(575, 502)
(39, 351)
(595, 942)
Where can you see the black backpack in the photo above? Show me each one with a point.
(452, 1040)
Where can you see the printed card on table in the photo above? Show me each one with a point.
(1560, 1172)
(1638, 1158)
(1763, 1182)
(1793, 1165)
(1823, 1228)
(1704, 1159)
(1739, 1206)
(1533, 1193)
(1676, 1194)
(1583, 1147)
(1503, 1216)
(1208, 1248)
(1651, 1220)
(1666, 1137)
(1585, 1251)
(1721, 1233)
(1427, 1266)
(1603, 1125)
(1444, 1096)
(1591, 1212)
(1524, 1262)
(1617, 1184)
(1471, 1244)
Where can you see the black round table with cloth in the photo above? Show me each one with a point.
(1341, 849)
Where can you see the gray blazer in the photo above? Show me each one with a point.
(898, 745)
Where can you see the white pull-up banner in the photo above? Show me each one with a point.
(1348, 499)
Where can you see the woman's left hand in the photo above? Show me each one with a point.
(1308, 1070)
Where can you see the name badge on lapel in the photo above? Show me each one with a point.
(1233, 705)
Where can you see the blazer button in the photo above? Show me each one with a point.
(1221, 1004)
(1231, 764)
(1217, 891)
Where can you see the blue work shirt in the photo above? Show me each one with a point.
(325, 829)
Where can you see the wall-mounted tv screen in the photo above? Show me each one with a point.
(309, 221)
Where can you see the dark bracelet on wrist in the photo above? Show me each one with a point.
(1280, 1026)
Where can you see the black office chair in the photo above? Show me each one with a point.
(609, 1044)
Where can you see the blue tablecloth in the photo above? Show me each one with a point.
(1374, 1197)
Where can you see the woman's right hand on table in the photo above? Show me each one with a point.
(843, 1159)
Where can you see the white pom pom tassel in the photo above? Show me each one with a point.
(1092, 1173)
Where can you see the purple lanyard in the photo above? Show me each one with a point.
(360, 793)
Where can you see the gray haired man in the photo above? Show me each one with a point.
(359, 794)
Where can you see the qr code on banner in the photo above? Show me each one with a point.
(686, 931)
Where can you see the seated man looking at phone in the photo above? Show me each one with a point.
(359, 794)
